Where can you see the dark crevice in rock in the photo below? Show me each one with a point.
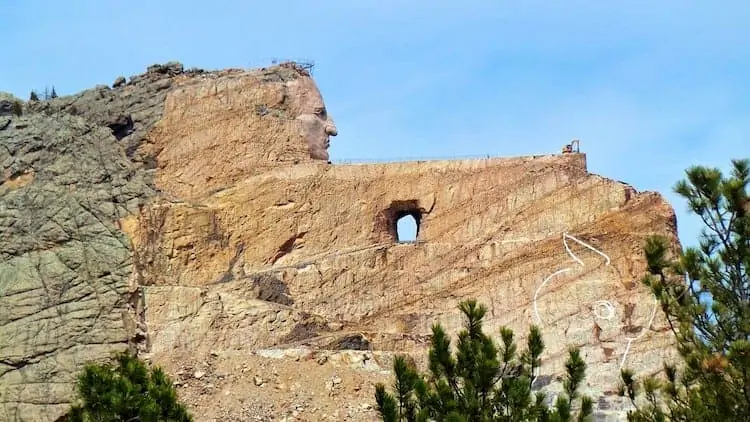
(270, 288)
(121, 126)
(135, 321)
(310, 327)
(15, 365)
(352, 342)
(217, 235)
(229, 274)
(286, 247)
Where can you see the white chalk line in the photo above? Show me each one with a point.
(645, 330)
(603, 305)
(572, 255)
(566, 236)
(653, 311)
(606, 308)
(536, 310)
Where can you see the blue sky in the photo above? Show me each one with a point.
(649, 87)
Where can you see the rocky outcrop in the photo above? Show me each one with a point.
(192, 217)
(73, 167)
(64, 265)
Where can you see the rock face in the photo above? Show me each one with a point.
(192, 217)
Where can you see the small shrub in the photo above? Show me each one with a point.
(129, 391)
(479, 380)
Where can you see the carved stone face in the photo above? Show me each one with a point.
(315, 125)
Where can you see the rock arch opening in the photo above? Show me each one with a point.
(400, 222)
(407, 228)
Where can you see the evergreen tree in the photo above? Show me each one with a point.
(33, 96)
(481, 382)
(705, 295)
(53, 94)
(130, 391)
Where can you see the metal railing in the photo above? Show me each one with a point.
(304, 63)
(429, 158)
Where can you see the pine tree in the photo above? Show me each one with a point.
(481, 382)
(705, 295)
(33, 96)
(129, 391)
(53, 94)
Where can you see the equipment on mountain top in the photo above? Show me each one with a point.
(571, 147)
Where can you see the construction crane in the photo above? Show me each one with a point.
(572, 147)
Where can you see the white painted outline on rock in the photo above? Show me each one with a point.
(605, 304)
(575, 258)
(536, 310)
(572, 255)
(645, 330)
(603, 309)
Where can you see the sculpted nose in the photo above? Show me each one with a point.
(331, 129)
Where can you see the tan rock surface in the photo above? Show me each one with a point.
(75, 166)
(270, 283)
(220, 127)
(306, 255)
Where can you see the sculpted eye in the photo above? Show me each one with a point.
(321, 112)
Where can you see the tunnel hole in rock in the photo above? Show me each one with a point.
(406, 229)
(404, 220)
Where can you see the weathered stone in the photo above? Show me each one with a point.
(170, 68)
(120, 81)
(6, 106)
(171, 216)
(64, 266)
(65, 294)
